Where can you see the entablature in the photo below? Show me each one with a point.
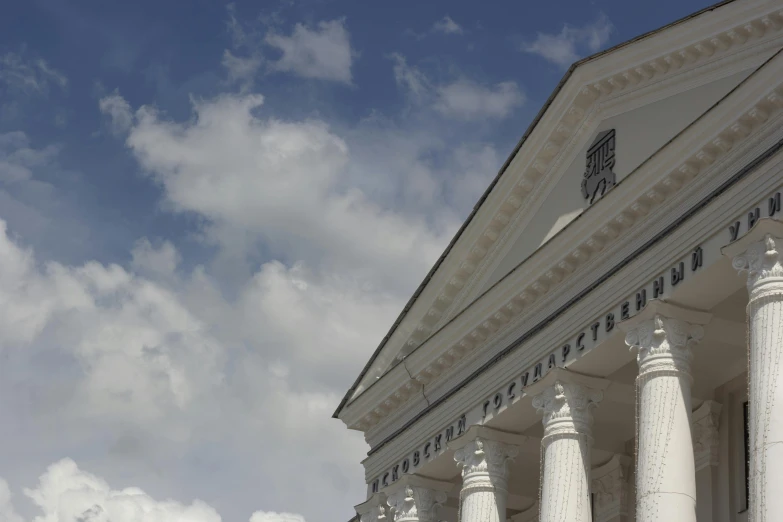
(700, 234)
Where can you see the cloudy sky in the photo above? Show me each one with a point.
(211, 213)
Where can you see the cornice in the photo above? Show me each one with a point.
(694, 152)
(533, 162)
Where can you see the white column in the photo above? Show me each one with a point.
(373, 510)
(484, 454)
(416, 499)
(759, 253)
(566, 402)
(665, 474)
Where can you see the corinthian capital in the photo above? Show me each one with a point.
(414, 499)
(565, 398)
(662, 333)
(485, 456)
(759, 254)
(485, 453)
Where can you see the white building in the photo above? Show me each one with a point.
(603, 339)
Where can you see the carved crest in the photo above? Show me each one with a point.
(599, 176)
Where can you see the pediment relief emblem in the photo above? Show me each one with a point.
(599, 175)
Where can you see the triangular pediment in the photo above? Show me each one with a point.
(624, 141)
(639, 96)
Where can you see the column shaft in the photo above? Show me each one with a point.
(665, 471)
(564, 491)
(759, 253)
(565, 451)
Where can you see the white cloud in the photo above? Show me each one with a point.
(323, 52)
(18, 159)
(569, 45)
(468, 100)
(462, 99)
(447, 25)
(269, 516)
(7, 511)
(176, 360)
(173, 380)
(66, 493)
(153, 355)
(284, 181)
(410, 78)
(135, 339)
(161, 261)
(241, 69)
(20, 73)
(118, 110)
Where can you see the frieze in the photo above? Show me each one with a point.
(583, 341)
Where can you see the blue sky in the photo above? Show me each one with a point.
(214, 211)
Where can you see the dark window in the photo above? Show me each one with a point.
(746, 433)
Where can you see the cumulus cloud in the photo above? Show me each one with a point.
(570, 43)
(66, 493)
(162, 360)
(137, 343)
(155, 356)
(463, 98)
(285, 181)
(162, 260)
(23, 74)
(447, 25)
(322, 52)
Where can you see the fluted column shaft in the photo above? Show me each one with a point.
(665, 472)
(759, 253)
(565, 449)
(484, 491)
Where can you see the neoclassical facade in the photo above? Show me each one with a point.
(603, 338)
